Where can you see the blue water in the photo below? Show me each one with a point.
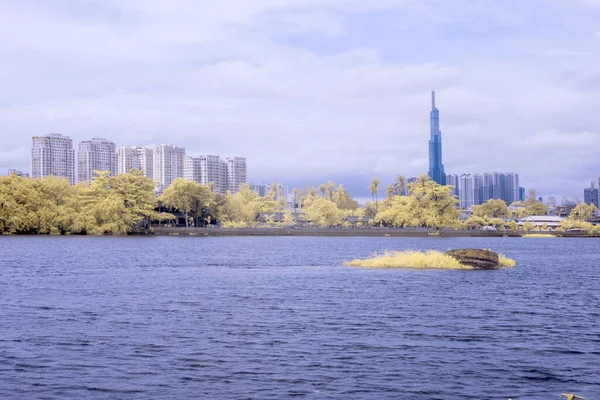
(279, 318)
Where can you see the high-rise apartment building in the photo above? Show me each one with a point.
(521, 193)
(224, 175)
(453, 180)
(134, 157)
(504, 186)
(13, 171)
(97, 154)
(168, 165)
(53, 155)
(436, 167)
(470, 190)
(236, 173)
(475, 189)
(264, 189)
(590, 195)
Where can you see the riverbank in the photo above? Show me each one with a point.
(366, 232)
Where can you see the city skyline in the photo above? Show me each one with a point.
(311, 91)
(54, 155)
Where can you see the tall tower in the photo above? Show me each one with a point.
(436, 167)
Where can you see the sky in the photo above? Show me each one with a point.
(312, 90)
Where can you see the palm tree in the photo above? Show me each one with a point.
(274, 190)
(330, 189)
(400, 184)
(323, 189)
(389, 191)
(338, 197)
(374, 189)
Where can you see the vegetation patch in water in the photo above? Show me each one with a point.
(430, 259)
(539, 235)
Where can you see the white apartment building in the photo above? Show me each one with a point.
(168, 165)
(192, 169)
(453, 180)
(13, 171)
(225, 175)
(134, 157)
(53, 155)
(206, 170)
(97, 154)
(236, 173)
(469, 186)
(263, 189)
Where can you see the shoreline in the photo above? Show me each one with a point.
(349, 232)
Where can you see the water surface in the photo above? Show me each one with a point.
(280, 317)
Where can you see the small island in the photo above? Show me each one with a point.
(469, 259)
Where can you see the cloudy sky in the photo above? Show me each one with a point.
(310, 90)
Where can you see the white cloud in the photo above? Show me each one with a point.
(306, 89)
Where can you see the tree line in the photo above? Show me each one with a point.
(122, 203)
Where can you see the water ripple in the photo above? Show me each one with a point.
(275, 318)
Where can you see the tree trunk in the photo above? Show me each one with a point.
(187, 222)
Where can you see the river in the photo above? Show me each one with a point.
(280, 317)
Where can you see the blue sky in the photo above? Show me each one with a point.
(310, 90)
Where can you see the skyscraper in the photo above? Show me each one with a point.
(97, 154)
(436, 167)
(53, 155)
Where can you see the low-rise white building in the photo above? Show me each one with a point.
(550, 221)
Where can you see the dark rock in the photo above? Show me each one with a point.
(476, 258)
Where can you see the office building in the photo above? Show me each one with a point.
(168, 165)
(436, 167)
(53, 155)
(134, 157)
(97, 154)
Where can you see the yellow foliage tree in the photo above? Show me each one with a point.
(428, 205)
(323, 212)
(188, 197)
(493, 208)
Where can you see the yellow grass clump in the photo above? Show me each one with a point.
(430, 259)
(506, 262)
(539, 235)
